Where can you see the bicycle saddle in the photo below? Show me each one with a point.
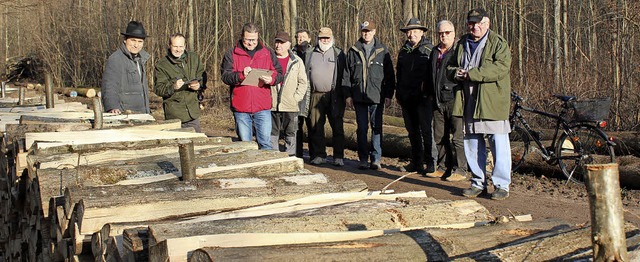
(565, 98)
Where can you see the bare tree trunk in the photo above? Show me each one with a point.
(565, 33)
(416, 8)
(320, 13)
(407, 10)
(286, 16)
(216, 41)
(545, 17)
(191, 20)
(294, 16)
(556, 46)
(520, 42)
(232, 38)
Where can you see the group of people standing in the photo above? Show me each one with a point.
(453, 95)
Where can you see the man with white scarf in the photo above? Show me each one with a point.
(481, 68)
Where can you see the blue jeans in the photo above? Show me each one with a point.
(475, 150)
(365, 114)
(245, 122)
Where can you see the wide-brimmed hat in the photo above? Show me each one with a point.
(135, 29)
(414, 23)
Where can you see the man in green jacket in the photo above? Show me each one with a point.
(481, 67)
(177, 80)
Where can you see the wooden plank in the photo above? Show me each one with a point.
(360, 215)
(128, 154)
(309, 202)
(50, 139)
(143, 144)
(268, 164)
(190, 199)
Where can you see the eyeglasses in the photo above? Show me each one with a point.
(473, 24)
(445, 33)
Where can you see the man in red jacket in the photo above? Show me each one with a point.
(251, 100)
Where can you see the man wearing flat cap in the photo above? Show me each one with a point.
(414, 98)
(325, 65)
(124, 82)
(481, 67)
(287, 95)
(370, 79)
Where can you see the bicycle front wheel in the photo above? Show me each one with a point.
(588, 145)
(519, 140)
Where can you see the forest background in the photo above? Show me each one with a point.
(587, 48)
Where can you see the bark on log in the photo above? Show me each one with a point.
(607, 216)
(187, 160)
(414, 245)
(88, 92)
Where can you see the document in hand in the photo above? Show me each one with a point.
(254, 76)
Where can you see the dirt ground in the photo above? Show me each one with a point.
(535, 194)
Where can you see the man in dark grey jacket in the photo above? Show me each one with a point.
(370, 82)
(124, 82)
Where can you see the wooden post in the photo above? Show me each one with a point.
(49, 89)
(187, 160)
(4, 89)
(97, 113)
(607, 217)
(21, 92)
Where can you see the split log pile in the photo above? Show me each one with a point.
(71, 193)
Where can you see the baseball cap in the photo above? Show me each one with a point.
(325, 32)
(368, 25)
(282, 36)
(476, 15)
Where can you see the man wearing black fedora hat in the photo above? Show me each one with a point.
(413, 60)
(124, 82)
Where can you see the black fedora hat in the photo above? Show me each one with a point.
(414, 23)
(135, 29)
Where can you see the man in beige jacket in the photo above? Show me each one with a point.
(287, 95)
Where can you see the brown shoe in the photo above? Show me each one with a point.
(436, 173)
(457, 175)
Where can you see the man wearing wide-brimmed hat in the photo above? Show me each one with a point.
(124, 82)
(415, 99)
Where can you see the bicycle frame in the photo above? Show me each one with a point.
(516, 118)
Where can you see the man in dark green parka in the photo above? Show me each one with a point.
(179, 76)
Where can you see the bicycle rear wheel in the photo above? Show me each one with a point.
(587, 146)
(519, 140)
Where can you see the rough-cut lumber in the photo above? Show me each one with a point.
(113, 155)
(189, 199)
(361, 215)
(142, 144)
(309, 202)
(406, 246)
(50, 139)
(412, 245)
(256, 163)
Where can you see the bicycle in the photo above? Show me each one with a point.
(576, 141)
